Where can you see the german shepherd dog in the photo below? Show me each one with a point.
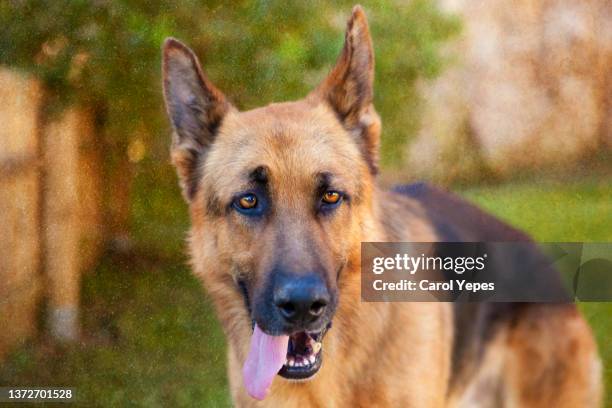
(281, 198)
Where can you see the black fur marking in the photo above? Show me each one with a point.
(324, 181)
(259, 175)
(194, 174)
(456, 220)
(245, 294)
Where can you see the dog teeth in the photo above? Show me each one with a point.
(316, 347)
(301, 361)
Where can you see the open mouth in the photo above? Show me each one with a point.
(304, 355)
(295, 357)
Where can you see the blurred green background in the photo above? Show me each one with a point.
(107, 54)
(149, 334)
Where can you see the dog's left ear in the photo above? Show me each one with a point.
(349, 88)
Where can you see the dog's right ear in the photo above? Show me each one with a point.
(195, 107)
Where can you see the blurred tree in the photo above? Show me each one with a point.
(105, 53)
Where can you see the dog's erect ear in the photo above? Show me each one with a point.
(196, 108)
(348, 88)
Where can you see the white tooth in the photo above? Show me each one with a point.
(316, 347)
(311, 359)
(290, 362)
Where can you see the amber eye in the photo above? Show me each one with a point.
(331, 197)
(247, 201)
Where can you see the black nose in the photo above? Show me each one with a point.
(302, 298)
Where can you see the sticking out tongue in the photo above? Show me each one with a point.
(266, 357)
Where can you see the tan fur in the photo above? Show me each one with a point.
(547, 359)
(376, 354)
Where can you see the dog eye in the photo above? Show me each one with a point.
(331, 197)
(247, 202)
(250, 204)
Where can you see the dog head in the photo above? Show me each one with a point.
(277, 194)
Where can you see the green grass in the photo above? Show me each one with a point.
(150, 335)
(150, 339)
(552, 211)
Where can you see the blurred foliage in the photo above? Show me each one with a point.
(107, 54)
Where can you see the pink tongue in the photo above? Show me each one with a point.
(266, 357)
